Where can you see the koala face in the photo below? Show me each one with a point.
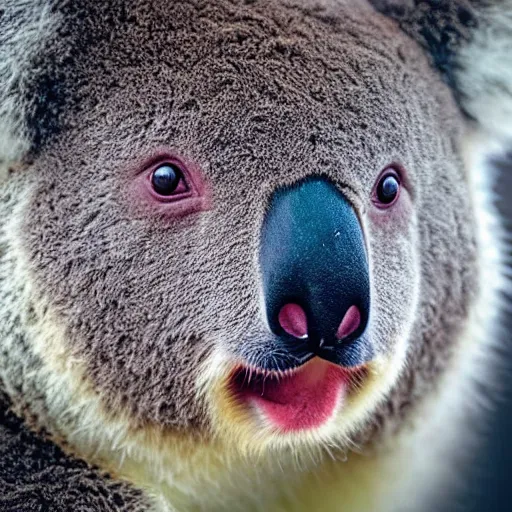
(252, 220)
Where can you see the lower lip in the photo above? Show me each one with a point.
(303, 400)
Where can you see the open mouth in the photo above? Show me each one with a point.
(300, 399)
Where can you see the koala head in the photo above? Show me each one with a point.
(242, 224)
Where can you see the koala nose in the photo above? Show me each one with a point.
(315, 272)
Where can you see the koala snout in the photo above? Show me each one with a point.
(315, 274)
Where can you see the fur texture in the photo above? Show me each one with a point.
(36, 475)
(25, 28)
(469, 42)
(121, 321)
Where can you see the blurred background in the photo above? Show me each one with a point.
(490, 485)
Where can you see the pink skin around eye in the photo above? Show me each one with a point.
(397, 214)
(190, 196)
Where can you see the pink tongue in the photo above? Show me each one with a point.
(307, 398)
(304, 400)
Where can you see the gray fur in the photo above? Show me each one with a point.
(258, 95)
(469, 41)
(25, 27)
(36, 475)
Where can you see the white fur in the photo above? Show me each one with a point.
(445, 430)
(175, 472)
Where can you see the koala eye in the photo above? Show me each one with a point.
(167, 180)
(388, 189)
(170, 185)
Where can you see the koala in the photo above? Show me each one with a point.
(249, 255)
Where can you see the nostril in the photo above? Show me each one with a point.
(293, 320)
(350, 323)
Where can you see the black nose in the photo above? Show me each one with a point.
(315, 273)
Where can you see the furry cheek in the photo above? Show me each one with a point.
(397, 217)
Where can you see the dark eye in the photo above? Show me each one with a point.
(388, 188)
(167, 179)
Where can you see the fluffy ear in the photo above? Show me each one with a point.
(24, 27)
(470, 42)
